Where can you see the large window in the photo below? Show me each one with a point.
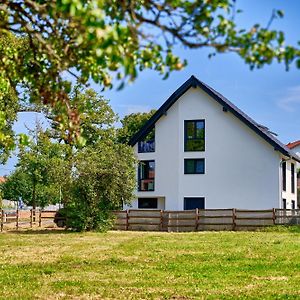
(293, 177)
(194, 135)
(146, 175)
(194, 202)
(147, 203)
(284, 176)
(194, 166)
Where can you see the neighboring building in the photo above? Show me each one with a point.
(295, 147)
(209, 154)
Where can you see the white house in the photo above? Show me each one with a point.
(207, 153)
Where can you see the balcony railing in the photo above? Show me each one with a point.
(148, 146)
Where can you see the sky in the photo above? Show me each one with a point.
(271, 96)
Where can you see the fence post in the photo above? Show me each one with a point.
(2, 219)
(31, 218)
(40, 218)
(233, 219)
(127, 219)
(274, 216)
(196, 219)
(161, 220)
(17, 219)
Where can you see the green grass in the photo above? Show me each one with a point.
(143, 265)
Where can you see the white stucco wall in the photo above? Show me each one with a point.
(287, 194)
(241, 169)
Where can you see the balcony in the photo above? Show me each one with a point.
(146, 146)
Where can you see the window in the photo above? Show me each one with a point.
(146, 174)
(148, 143)
(147, 203)
(194, 166)
(194, 135)
(284, 175)
(293, 177)
(284, 203)
(146, 146)
(194, 202)
(293, 204)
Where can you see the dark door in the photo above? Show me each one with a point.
(194, 202)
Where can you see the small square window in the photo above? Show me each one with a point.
(194, 166)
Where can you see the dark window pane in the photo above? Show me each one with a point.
(293, 177)
(190, 130)
(200, 130)
(147, 203)
(284, 176)
(194, 145)
(200, 166)
(189, 166)
(284, 203)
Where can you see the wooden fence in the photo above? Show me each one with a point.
(165, 220)
(16, 219)
(200, 220)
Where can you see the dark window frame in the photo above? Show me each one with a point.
(140, 179)
(284, 175)
(189, 198)
(194, 138)
(195, 165)
(293, 178)
(148, 199)
(293, 204)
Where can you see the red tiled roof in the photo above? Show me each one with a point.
(2, 179)
(293, 144)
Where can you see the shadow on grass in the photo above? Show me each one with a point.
(40, 231)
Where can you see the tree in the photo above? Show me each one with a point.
(103, 179)
(113, 41)
(37, 178)
(132, 123)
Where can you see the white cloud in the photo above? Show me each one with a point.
(131, 109)
(291, 100)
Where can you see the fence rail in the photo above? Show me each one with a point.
(16, 219)
(206, 219)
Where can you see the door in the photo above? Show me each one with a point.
(194, 202)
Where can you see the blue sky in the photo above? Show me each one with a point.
(271, 96)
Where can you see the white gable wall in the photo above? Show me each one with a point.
(241, 169)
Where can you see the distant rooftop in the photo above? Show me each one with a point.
(292, 145)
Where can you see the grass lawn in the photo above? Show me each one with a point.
(144, 265)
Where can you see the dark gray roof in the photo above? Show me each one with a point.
(227, 105)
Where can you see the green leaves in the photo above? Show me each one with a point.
(111, 42)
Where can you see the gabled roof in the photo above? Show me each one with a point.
(193, 82)
(292, 145)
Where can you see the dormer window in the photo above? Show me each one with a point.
(148, 143)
